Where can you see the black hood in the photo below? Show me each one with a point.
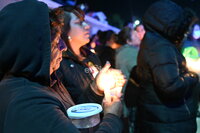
(168, 19)
(25, 45)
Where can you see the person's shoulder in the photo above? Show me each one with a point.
(126, 49)
(22, 89)
(34, 89)
(154, 42)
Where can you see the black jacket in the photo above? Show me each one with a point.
(77, 78)
(27, 103)
(168, 92)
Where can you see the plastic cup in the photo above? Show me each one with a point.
(85, 115)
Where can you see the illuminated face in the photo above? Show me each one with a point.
(58, 46)
(140, 31)
(79, 31)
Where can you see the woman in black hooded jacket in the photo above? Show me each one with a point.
(28, 104)
(168, 90)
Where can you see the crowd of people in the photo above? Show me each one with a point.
(49, 63)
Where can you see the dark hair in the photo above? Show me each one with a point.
(124, 35)
(56, 22)
(105, 36)
(138, 25)
(76, 10)
(67, 18)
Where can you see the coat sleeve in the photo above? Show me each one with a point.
(39, 112)
(110, 124)
(170, 81)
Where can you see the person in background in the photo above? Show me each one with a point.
(106, 51)
(168, 99)
(92, 43)
(191, 49)
(126, 55)
(126, 59)
(140, 31)
(27, 101)
(191, 45)
(131, 91)
(80, 67)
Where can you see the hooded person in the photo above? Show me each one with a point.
(27, 103)
(3, 3)
(168, 97)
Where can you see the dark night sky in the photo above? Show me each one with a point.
(128, 8)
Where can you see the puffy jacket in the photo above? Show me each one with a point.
(168, 90)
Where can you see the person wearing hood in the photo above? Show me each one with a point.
(27, 101)
(168, 97)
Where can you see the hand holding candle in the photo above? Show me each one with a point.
(117, 84)
(108, 79)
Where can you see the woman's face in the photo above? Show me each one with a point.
(140, 31)
(56, 54)
(79, 31)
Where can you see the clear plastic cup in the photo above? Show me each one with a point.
(85, 115)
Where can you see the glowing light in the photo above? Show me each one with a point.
(190, 52)
(137, 22)
(108, 82)
(112, 87)
(196, 32)
(193, 65)
(192, 58)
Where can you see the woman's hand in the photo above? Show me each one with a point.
(113, 105)
(109, 78)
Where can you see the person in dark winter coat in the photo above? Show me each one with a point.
(27, 101)
(168, 90)
(80, 66)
